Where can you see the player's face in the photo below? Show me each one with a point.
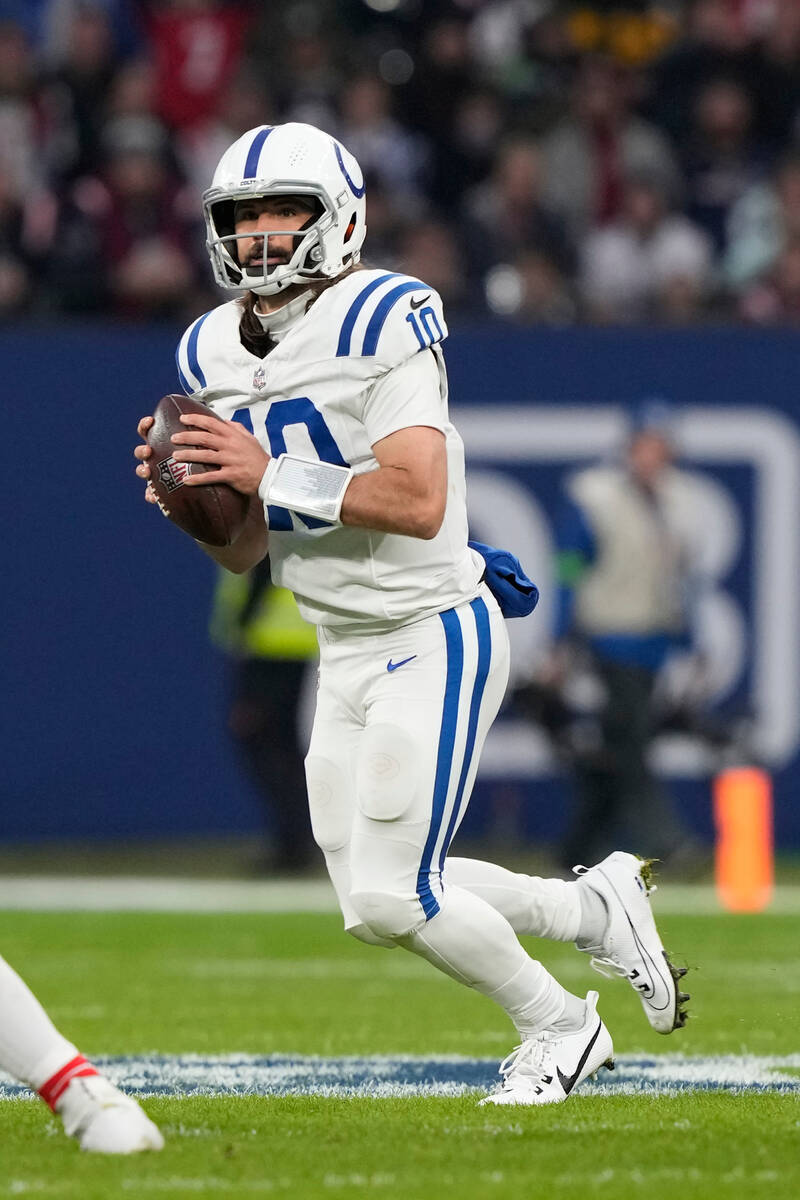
(268, 213)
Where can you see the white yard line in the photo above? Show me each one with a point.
(43, 893)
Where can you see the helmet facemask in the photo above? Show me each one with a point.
(309, 260)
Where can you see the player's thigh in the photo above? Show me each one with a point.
(330, 775)
(426, 725)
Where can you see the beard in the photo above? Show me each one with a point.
(255, 262)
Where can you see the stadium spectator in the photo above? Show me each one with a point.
(444, 75)
(397, 157)
(75, 93)
(428, 250)
(127, 234)
(506, 214)
(50, 21)
(531, 290)
(775, 299)
(651, 264)
(309, 80)
(589, 153)
(779, 100)
(20, 144)
(721, 160)
(764, 220)
(132, 92)
(244, 104)
(717, 44)
(196, 46)
(15, 278)
(464, 157)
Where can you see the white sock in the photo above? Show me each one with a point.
(594, 919)
(548, 908)
(473, 943)
(31, 1048)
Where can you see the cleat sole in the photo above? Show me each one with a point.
(681, 1014)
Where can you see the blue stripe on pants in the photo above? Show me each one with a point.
(481, 614)
(454, 643)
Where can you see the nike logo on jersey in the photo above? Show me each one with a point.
(568, 1081)
(392, 666)
(419, 303)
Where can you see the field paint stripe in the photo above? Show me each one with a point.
(139, 893)
(407, 1075)
(53, 893)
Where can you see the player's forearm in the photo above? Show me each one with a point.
(249, 548)
(390, 500)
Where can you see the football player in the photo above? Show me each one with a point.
(97, 1114)
(332, 380)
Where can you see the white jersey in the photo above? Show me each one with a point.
(362, 363)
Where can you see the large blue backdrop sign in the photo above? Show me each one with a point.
(112, 698)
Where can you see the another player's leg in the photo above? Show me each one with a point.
(93, 1111)
(414, 772)
(606, 912)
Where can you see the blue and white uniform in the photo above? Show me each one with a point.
(413, 647)
(414, 653)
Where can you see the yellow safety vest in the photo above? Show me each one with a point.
(273, 628)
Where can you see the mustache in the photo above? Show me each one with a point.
(256, 258)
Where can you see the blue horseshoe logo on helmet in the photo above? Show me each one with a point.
(358, 192)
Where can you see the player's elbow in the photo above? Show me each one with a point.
(427, 518)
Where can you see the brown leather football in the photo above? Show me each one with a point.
(214, 513)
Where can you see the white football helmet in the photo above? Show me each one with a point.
(280, 160)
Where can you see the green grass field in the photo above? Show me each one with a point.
(290, 984)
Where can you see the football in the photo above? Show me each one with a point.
(215, 513)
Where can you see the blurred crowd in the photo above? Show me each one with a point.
(541, 161)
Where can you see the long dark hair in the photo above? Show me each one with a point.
(252, 334)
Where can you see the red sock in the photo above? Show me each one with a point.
(52, 1091)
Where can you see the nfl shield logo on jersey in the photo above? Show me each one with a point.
(259, 378)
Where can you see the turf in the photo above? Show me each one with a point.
(135, 983)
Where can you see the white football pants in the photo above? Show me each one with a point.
(401, 719)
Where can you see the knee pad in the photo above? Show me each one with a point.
(386, 774)
(330, 803)
(362, 934)
(388, 914)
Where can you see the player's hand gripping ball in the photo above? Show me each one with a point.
(213, 513)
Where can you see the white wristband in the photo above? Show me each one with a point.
(305, 486)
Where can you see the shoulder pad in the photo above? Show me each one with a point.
(199, 347)
(390, 317)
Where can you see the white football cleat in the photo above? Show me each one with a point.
(105, 1120)
(631, 946)
(546, 1068)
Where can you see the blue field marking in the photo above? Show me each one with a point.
(383, 1076)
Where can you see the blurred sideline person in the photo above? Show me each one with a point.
(332, 380)
(626, 541)
(272, 650)
(92, 1110)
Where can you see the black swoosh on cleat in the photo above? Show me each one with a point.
(568, 1081)
(419, 303)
